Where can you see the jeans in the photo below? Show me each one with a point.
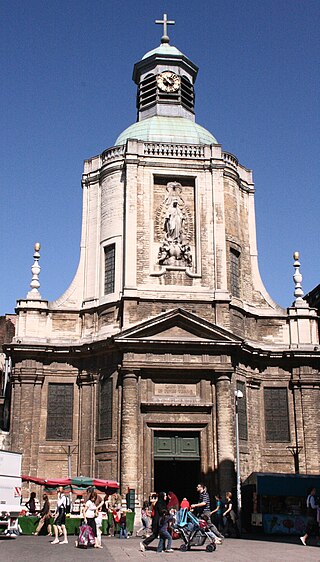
(123, 533)
(164, 535)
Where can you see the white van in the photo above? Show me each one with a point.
(10, 491)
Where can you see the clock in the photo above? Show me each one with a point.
(168, 81)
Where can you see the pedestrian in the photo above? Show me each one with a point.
(123, 526)
(215, 536)
(114, 504)
(89, 513)
(145, 519)
(229, 517)
(312, 523)
(185, 504)
(31, 504)
(203, 505)
(173, 502)
(165, 519)
(99, 526)
(217, 512)
(44, 516)
(60, 517)
(104, 504)
(158, 503)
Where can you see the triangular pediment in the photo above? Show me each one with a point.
(178, 326)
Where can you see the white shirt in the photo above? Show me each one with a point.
(90, 509)
(61, 501)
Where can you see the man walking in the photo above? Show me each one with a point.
(203, 505)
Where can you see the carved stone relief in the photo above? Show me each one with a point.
(174, 228)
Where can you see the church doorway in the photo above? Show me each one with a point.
(177, 463)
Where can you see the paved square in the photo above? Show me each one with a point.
(39, 549)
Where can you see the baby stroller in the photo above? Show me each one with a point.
(193, 531)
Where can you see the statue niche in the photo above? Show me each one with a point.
(174, 226)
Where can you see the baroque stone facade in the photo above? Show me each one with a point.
(136, 365)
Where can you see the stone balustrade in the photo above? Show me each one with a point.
(230, 160)
(113, 153)
(173, 150)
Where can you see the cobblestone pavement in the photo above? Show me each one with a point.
(39, 549)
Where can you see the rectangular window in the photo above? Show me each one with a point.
(242, 412)
(235, 272)
(105, 409)
(60, 412)
(109, 268)
(276, 414)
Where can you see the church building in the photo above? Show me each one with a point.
(133, 371)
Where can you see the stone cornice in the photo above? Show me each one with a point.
(27, 376)
(127, 372)
(87, 377)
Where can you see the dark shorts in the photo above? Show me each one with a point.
(61, 518)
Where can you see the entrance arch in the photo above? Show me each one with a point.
(177, 462)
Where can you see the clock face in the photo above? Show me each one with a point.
(168, 81)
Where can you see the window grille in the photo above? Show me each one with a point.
(105, 409)
(109, 261)
(235, 272)
(60, 412)
(276, 414)
(242, 412)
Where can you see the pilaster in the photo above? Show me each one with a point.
(225, 429)
(129, 431)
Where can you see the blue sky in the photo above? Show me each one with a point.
(67, 93)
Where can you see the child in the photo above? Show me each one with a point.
(164, 534)
(123, 526)
(185, 504)
(99, 527)
(145, 519)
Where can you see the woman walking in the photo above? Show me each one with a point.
(229, 517)
(89, 513)
(44, 515)
(158, 505)
(31, 504)
(60, 518)
(217, 512)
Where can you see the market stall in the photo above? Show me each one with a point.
(277, 502)
(77, 486)
(28, 524)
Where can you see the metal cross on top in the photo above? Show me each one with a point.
(165, 22)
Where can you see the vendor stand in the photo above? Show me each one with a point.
(28, 524)
(277, 502)
(78, 486)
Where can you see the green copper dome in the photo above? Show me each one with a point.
(167, 129)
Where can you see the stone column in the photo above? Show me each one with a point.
(225, 432)
(129, 432)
